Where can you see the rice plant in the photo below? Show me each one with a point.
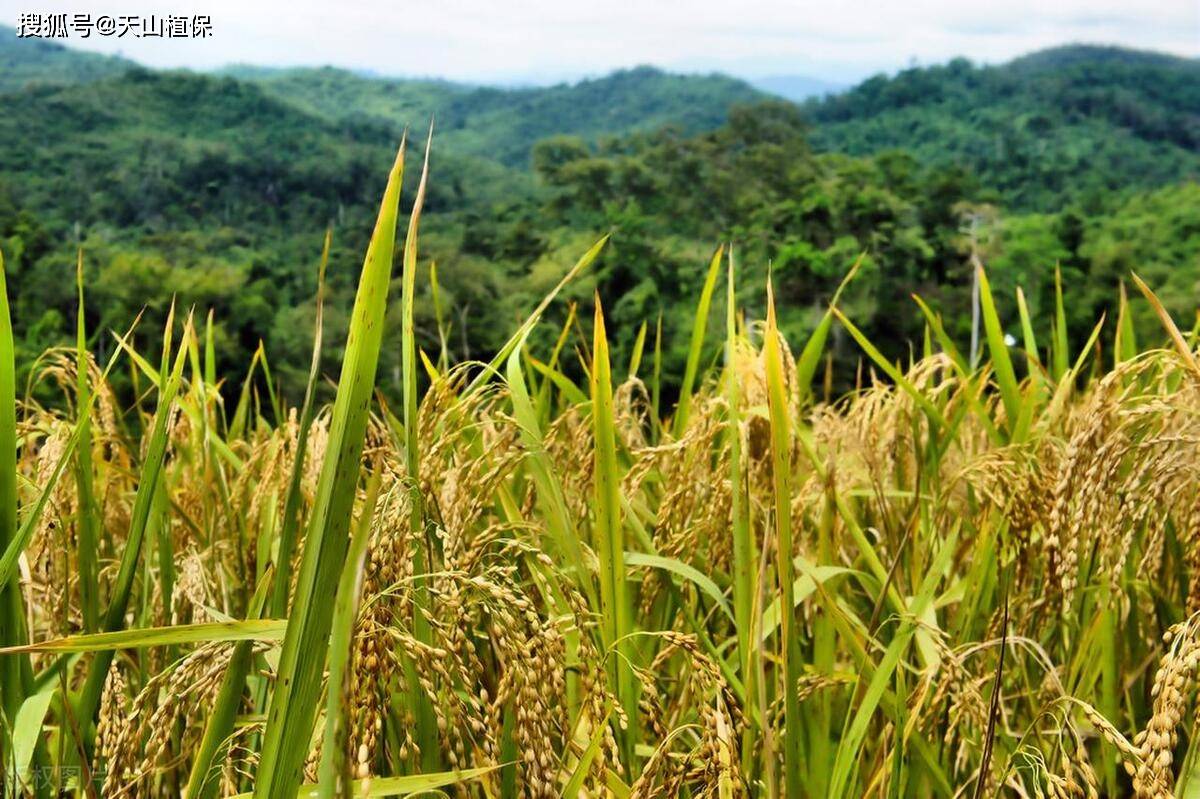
(952, 581)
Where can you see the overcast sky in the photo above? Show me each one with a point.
(548, 40)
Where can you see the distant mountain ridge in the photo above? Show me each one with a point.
(218, 188)
(1067, 123)
(502, 123)
(1070, 121)
(497, 124)
(285, 145)
(136, 147)
(27, 62)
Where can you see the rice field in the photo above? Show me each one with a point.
(955, 581)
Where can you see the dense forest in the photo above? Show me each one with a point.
(218, 189)
(1070, 124)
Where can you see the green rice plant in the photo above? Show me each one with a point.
(302, 661)
(781, 472)
(608, 534)
(14, 671)
(699, 324)
(334, 770)
(148, 482)
(88, 544)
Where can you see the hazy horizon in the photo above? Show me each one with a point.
(528, 43)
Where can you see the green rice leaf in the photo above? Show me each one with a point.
(892, 372)
(1002, 366)
(848, 750)
(608, 532)
(334, 768)
(699, 324)
(681, 569)
(13, 671)
(248, 630)
(27, 730)
(1061, 355)
(781, 472)
(290, 715)
(397, 786)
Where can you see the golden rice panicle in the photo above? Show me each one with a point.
(1190, 527)
(631, 413)
(713, 760)
(1174, 681)
(113, 725)
(386, 598)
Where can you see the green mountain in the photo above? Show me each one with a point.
(1070, 123)
(502, 124)
(24, 62)
(340, 93)
(175, 183)
(93, 139)
(217, 189)
(159, 149)
(499, 124)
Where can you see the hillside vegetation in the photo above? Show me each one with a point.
(1072, 124)
(217, 189)
(29, 62)
(501, 124)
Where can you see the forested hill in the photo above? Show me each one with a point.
(1067, 124)
(495, 124)
(503, 123)
(162, 149)
(37, 61)
(217, 189)
(92, 139)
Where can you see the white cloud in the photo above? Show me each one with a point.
(488, 40)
